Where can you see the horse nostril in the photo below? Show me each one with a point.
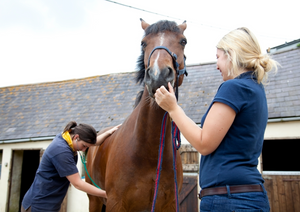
(168, 76)
(147, 75)
(170, 72)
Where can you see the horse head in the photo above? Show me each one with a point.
(162, 59)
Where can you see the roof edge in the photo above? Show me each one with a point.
(296, 118)
(20, 140)
(201, 64)
(68, 80)
(283, 50)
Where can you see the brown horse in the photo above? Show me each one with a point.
(125, 164)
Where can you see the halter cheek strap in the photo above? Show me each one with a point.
(175, 63)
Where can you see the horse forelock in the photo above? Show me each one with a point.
(162, 26)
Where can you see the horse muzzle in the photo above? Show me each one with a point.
(155, 78)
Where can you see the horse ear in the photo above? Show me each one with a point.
(182, 26)
(144, 24)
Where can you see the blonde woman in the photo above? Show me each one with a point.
(58, 168)
(231, 136)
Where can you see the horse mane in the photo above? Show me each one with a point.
(160, 26)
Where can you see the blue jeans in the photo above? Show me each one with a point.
(238, 202)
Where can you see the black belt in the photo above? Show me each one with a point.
(232, 189)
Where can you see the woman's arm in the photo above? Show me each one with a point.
(217, 122)
(81, 185)
(102, 135)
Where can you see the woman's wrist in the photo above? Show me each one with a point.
(174, 111)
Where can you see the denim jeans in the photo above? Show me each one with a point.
(238, 202)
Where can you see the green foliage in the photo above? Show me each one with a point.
(298, 45)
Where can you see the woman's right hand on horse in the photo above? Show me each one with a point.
(112, 130)
(105, 133)
(166, 99)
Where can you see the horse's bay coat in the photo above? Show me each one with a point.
(125, 164)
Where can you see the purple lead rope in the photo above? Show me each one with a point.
(175, 136)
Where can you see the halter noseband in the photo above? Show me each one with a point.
(175, 63)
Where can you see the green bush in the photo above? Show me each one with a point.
(298, 45)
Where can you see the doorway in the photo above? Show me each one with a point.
(23, 168)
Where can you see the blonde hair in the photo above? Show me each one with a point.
(244, 52)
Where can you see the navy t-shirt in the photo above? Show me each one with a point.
(50, 184)
(235, 160)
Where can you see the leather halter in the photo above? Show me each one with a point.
(175, 63)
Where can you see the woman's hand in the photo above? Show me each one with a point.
(105, 195)
(112, 130)
(166, 99)
(81, 185)
(103, 134)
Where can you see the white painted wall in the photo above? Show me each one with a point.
(283, 130)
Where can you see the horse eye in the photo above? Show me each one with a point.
(183, 42)
(143, 44)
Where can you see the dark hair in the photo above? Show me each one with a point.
(86, 132)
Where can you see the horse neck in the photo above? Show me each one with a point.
(149, 121)
(149, 112)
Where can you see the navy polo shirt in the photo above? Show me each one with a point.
(50, 184)
(235, 161)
